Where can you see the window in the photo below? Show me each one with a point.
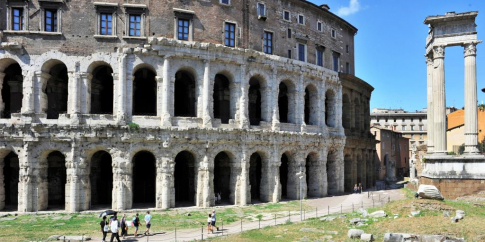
(18, 19)
(229, 35)
(261, 9)
(347, 68)
(227, 2)
(319, 26)
(289, 54)
(420, 136)
(319, 57)
(268, 42)
(412, 136)
(183, 29)
(135, 25)
(403, 128)
(301, 19)
(420, 128)
(106, 24)
(301, 52)
(286, 15)
(334, 33)
(412, 128)
(50, 20)
(336, 58)
(289, 33)
(347, 49)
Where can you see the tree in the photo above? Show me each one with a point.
(461, 149)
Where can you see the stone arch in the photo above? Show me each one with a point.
(9, 180)
(330, 108)
(185, 99)
(257, 100)
(332, 173)
(144, 179)
(348, 181)
(357, 114)
(144, 90)
(225, 177)
(101, 179)
(101, 88)
(292, 180)
(185, 179)
(346, 110)
(11, 86)
(56, 88)
(56, 180)
(287, 101)
(311, 105)
(221, 97)
(313, 173)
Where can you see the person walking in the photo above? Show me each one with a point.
(214, 220)
(209, 224)
(104, 228)
(360, 187)
(136, 223)
(355, 188)
(148, 222)
(115, 227)
(124, 226)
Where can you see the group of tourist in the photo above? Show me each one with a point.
(114, 226)
(358, 189)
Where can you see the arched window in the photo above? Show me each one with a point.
(144, 93)
(311, 105)
(185, 99)
(222, 99)
(185, 177)
(11, 91)
(57, 90)
(102, 90)
(330, 103)
(254, 101)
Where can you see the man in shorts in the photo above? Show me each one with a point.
(214, 220)
(136, 223)
(148, 222)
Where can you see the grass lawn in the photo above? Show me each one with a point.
(429, 221)
(39, 227)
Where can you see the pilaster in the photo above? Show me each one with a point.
(2, 104)
(243, 100)
(122, 115)
(85, 99)
(206, 114)
(274, 102)
(40, 97)
(28, 94)
(166, 97)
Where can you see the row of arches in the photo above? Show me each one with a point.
(357, 171)
(225, 173)
(144, 98)
(354, 114)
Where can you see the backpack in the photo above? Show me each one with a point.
(134, 222)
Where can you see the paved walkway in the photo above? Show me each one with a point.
(321, 207)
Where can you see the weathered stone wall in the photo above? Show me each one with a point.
(453, 188)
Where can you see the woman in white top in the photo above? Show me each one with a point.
(115, 225)
(209, 224)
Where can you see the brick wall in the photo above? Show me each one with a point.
(452, 189)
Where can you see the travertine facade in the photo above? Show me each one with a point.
(155, 120)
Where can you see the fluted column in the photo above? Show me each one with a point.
(166, 119)
(122, 97)
(439, 101)
(243, 99)
(206, 119)
(471, 122)
(430, 131)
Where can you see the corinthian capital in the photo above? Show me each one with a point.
(429, 60)
(438, 51)
(470, 49)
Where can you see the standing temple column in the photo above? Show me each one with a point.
(121, 115)
(206, 116)
(439, 101)
(471, 122)
(243, 100)
(430, 131)
(166, 92)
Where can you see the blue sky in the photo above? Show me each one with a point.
(390, 48)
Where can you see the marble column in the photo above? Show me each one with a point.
(471, 122)
(430, 112)
(85, 99)
(206, 97)
(274, 102)
(2, 104)
(439, 101)
(243, 99)
(166, 118)
(74, 89)
(159, 80)
(244, 177)
(122, 97)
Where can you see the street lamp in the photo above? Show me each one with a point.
(300, 176)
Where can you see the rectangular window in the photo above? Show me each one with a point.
(301, 19)
(17, 19)
(268, 42)
(289, 33)
(403, 128)
(347, 49)
(230, 35)
(412, 136)
(225, 2)
(420, 128)
(412, 128)
(319, 26)
(347, 68)
(51, 20)
(135, 25)
(183, 29)
(301, 52)
(286, 15)
(319, 57)
(420, 136)
(106, 24)
(289, 54)
(261, 9)
(336, 62)
(334, 33)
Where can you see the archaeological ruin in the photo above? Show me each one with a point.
(138, 104)
(454, 175)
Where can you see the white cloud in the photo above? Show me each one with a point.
(353, 7)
